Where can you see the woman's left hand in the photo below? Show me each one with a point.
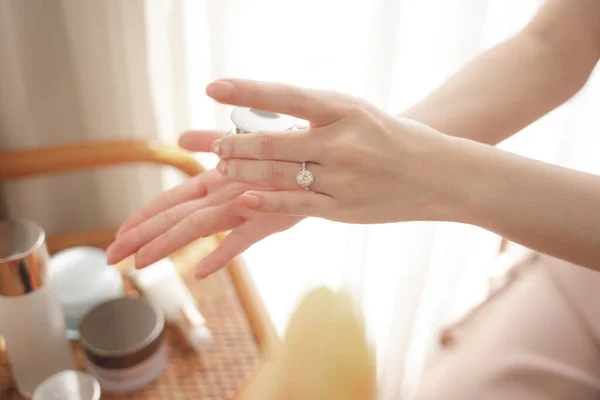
(366, 165)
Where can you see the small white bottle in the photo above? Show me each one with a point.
(31, 317)
(162, 284)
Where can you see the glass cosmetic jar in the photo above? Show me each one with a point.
(68, 385)
(123, 341)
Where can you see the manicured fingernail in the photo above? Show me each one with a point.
(216, 147)
(250, 200)
(222, 167)
(220, 89)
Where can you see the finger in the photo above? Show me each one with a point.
(274, 174)
(199, 141)
(196, 187)
(317, 106)
(290, 203)
(201, 223)
(240, 239)
(233, 245)
(131, 241)
(282, 146)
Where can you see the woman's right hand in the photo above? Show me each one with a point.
(204, 205)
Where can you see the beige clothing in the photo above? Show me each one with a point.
(536, 338)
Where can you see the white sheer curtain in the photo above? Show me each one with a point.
(139, 68)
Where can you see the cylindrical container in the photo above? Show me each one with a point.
(83, 279)
(162, 284)
(31, 317)
(68, 385)
(123, 343)
(248, 120)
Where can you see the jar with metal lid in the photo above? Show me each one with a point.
(123, 341)
(248, 120)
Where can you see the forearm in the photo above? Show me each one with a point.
(497, 94)
(547, 208)
(518, 81)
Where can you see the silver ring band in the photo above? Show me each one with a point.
(305, 178)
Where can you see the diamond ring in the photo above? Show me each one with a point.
(305, 178)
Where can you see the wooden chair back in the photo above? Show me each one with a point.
(28, 163)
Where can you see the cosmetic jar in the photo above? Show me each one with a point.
(68, 385)
(123, 342)
(83, 279)
(247, 120)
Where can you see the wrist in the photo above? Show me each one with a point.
(465, 176)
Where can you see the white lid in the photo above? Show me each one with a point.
(253, 120)
(83, 277)
(195, 332)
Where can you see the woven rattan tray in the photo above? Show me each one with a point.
(218, 373)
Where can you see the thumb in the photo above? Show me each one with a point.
(296, 202)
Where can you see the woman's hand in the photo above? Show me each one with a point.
(367, 166)
(202, 206)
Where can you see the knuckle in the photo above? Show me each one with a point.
(198, 188)
(272, 172)
(329, 145)
(170, 216)
(278, 206)
(170, 240)
(265, 146)
(234, 170)
(304, 207)
(228, 148)
(139, 235)
(354, 101)
(195, 220)
(304, 97)
(355, 107)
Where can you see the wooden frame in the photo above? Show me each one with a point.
(28, 163)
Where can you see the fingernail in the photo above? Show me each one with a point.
(200, 272)
(139, 262)
(222, 167)
(250, 201)
(200, 275)
(220, 89)
(216, 147)
(110, 257)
